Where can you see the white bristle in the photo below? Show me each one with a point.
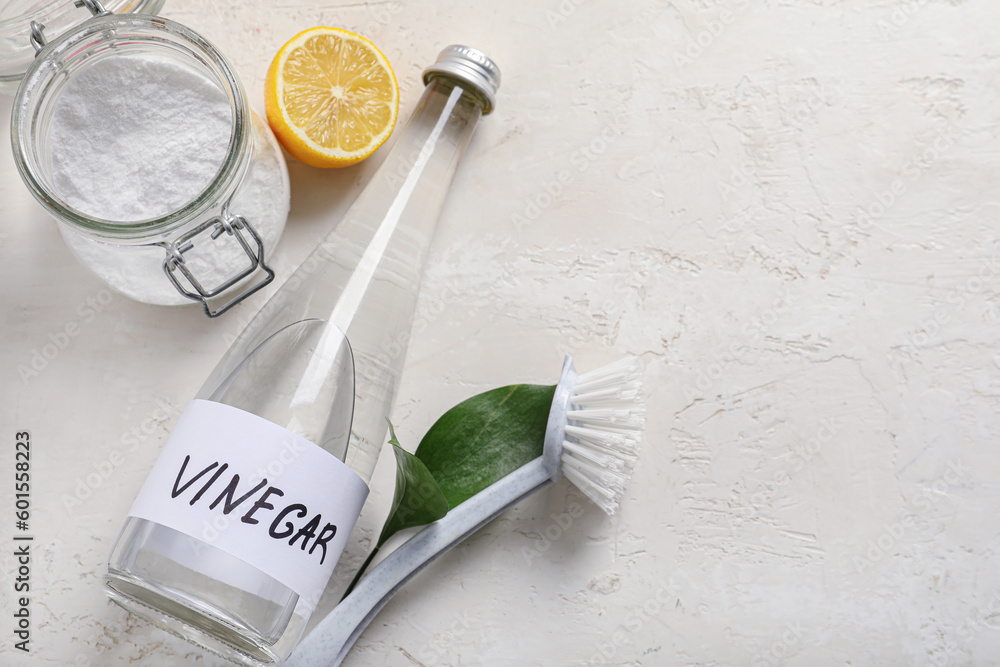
(604, 430)
(601, 415)
(619, 372)
(599, 439)
(628, 430)
(618, 464)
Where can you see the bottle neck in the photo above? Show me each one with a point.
(399, 208)
(430, 146)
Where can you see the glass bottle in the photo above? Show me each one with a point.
(299, 401)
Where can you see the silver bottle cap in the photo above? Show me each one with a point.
(470, 66)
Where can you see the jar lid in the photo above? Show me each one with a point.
(53, 17)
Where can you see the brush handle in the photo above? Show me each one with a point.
(329, 642)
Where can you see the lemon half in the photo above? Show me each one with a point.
(331, 97)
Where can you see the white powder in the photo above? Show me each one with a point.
(135, 137)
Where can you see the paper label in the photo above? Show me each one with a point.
(256, 491)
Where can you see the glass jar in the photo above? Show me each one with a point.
(211, 249)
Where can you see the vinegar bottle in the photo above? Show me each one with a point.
(236, 531)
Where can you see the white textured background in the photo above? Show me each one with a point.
(786, 207)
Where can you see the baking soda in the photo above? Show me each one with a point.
(137, 137)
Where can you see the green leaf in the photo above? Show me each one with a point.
(485, 438)
(476, 443)
(417, 499)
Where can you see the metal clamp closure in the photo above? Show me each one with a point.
(96, 7)
(233, 226)
(37, 38)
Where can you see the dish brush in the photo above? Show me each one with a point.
(592, 437)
